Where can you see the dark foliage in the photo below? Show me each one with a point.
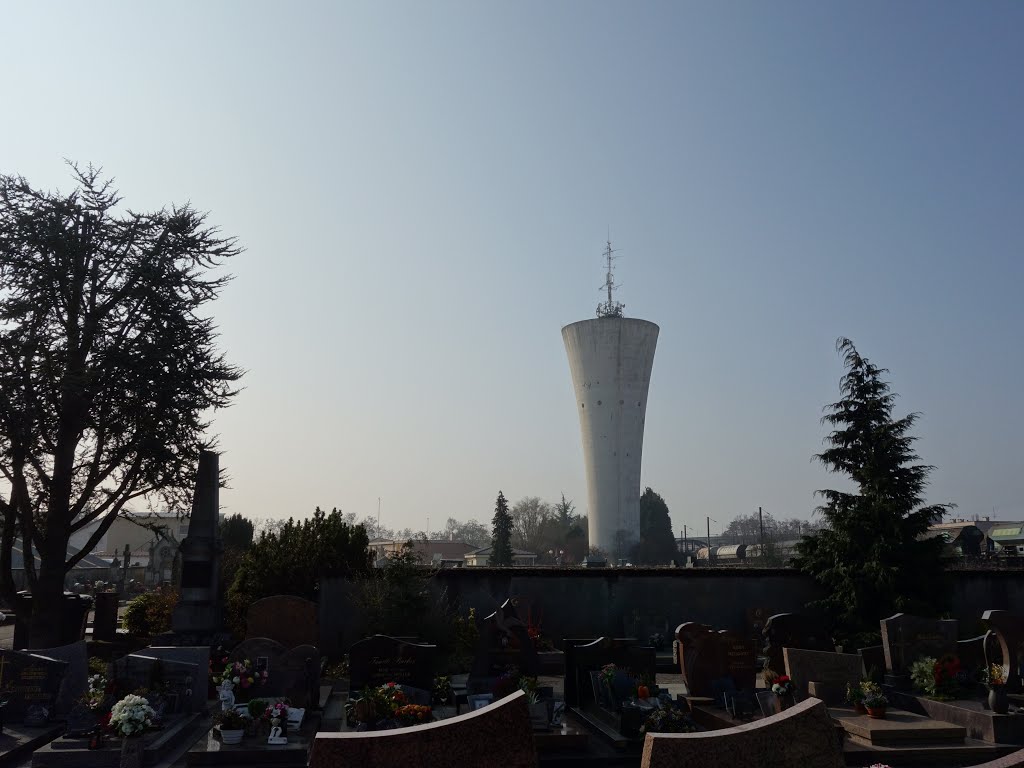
(657, 545)
(108, 366)
(292, 559)
(872, 556)
(501, 534)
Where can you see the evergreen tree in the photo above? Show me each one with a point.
(657, 545)
(870, 556)
(565, 511)
(501, 534)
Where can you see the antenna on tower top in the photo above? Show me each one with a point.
(609, 308)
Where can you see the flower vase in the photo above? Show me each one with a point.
(859, 708)
(997, 699)
(878, 713)
(131, 752)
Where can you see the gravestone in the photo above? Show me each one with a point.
(104, 621)
(29, 681)
(76, 677)
(503, 643)
(582, 657)
(835, 670)
(1009, 634)
(291, 672)
(290, 620)
(199, 656)
(197, 617)
(794, 630)
(697, 645)
(907, 638)
(169, 683)
(707, 656)
(381, 659)
(739, 659)
(873, 663)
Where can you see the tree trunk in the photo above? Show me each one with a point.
(48, 602)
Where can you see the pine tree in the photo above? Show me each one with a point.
(501, 534)
(871, 557)
(657, 545)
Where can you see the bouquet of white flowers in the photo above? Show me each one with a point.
(131, 716)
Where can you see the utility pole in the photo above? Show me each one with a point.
(686, 549)
(709, 541)
(378, 517)
(760, 520)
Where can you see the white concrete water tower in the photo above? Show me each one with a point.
(611, 358)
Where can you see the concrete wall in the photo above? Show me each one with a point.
(639, 601)
(611, 360)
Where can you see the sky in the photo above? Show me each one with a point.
(424, 191)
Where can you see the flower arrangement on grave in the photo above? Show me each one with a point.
(276, 711)
(376, 704)
(937, 678)
(782, 686)
(994, 675)
(413, 714)
(608, 674)
(95, 697)
(131, 716)
(855, 694)
(669, 720)
(383, 707)
(443, 693)
(240, 673)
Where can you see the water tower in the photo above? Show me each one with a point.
(611, 358)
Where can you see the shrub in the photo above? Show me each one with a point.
(150, 613)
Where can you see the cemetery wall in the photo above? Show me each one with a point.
(640, 601)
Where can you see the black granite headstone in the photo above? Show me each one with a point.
(381, 659)
(28, 680)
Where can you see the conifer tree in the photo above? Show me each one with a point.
(871, 557)
(501, 534)
(657, 545)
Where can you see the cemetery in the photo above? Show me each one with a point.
(495, 687)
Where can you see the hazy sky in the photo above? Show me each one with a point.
(424, 189)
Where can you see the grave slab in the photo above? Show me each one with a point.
(898, 727)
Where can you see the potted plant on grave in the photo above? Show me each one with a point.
(669, 720)
(256, 708)
(855, 696)
(130, 718)
(875, 701)
(231, 724)
(995, 678)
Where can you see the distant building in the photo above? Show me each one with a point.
(440, 552)
(152, 538)
(519, 557)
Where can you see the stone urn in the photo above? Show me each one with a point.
(997, 699)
